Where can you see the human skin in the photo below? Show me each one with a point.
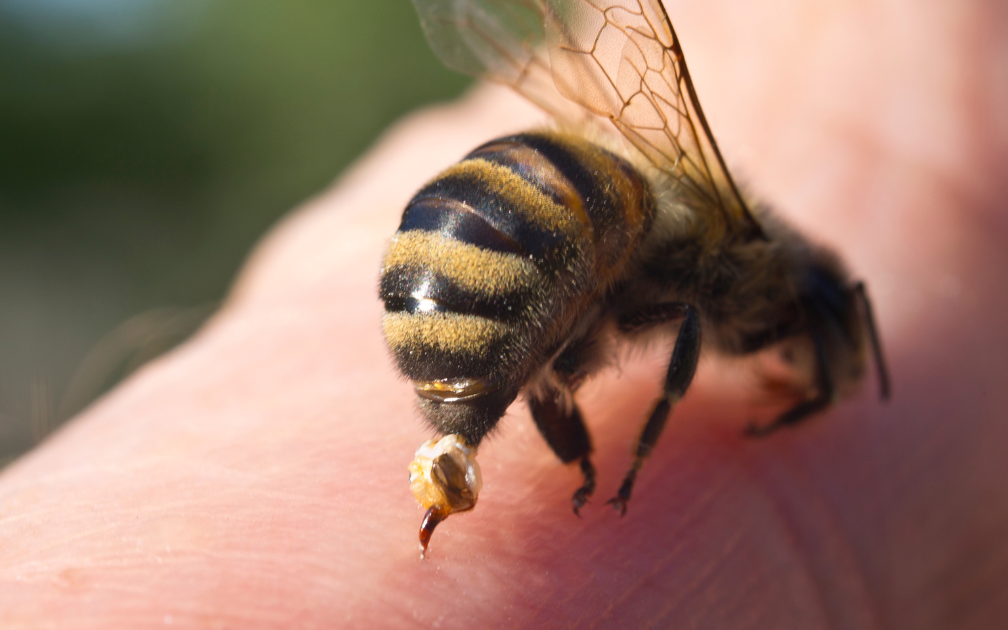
(256, 477)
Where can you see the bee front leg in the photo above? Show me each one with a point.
(559, 421)
(680, 373)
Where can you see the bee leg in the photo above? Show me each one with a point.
(564, 430)
(876, 344)
(805, 409)
(680, 373)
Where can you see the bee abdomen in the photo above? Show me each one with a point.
(494, 258)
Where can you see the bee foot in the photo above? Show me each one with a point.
(581, 495)
(579, 500)
(619, 504)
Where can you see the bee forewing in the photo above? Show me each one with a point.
(621, 59)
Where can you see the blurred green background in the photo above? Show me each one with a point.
(145, 145)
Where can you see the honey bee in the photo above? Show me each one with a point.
(516, 270)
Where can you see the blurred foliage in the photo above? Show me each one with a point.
(139, 164)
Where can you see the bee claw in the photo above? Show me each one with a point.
(578, 501)
(581, 494)
(618, 504)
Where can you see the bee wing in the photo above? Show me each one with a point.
(619, 59)
(500, 40)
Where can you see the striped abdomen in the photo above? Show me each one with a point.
(495, 260)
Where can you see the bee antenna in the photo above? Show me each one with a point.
(869, 318)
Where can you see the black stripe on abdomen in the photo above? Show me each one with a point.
(456, 220)
(590, 186)
(412, 289)
(470, 188)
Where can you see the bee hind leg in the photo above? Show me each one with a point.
(807, 408)
(559, 421)
(682, 367)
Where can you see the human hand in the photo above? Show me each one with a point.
(256, 477)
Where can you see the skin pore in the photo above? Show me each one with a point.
(256, 477)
